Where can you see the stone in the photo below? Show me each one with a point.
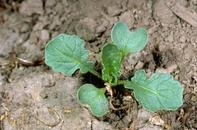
(44, 35)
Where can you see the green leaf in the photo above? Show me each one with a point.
(94, 99)
(111, 62)
(66, 54)
(127, 41)
(160, 92)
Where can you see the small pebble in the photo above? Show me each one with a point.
(156, 120)
(44, 35)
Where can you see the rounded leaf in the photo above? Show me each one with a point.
(94, 99)
(128, 41)
(160, 92)
(66, 54)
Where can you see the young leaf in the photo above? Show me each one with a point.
(94, 99)
(128, 41)
(160, 92)
(111, 62)
(66, 54)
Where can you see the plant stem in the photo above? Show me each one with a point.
(120, 82)
(95, 73)
(102, 90)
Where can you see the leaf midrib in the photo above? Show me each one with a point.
(152, 91)
(66, 55)
(144, 88)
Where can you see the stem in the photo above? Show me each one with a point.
(95, 73)
(102, 90)
(120, 82)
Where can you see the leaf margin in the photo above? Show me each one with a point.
(153, 75)
(77, 65)
(89, 106)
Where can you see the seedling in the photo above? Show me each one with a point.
(66, 54)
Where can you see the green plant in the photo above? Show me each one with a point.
(66, 54)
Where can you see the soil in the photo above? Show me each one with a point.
(32, 97)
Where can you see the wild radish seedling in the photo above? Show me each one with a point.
(66, 54)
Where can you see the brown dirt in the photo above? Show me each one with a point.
(32, 97)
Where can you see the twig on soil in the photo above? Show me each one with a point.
(29, 63)
(132, 124)
(52, 124)
(6, 116)
(190, 16)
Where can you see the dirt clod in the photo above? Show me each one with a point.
(31, 7)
